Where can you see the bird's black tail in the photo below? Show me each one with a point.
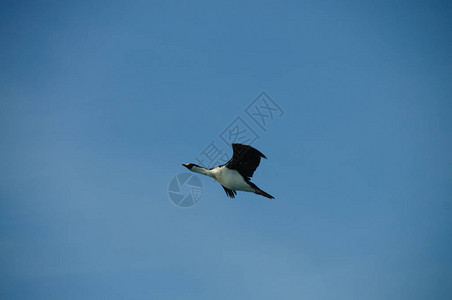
(262, 193)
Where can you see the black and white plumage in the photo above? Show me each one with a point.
(236, 173)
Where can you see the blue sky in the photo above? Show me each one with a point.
(102, 102)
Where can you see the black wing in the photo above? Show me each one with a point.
(230, 193)
(245, 160)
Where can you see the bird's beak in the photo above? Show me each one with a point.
(185, 165)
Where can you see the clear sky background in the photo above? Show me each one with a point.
(102, 102)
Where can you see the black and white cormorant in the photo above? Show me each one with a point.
(236, 173)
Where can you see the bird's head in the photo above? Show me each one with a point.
(190, 166)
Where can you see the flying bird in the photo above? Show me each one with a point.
(236, 173)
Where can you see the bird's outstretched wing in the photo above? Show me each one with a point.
(245, 159)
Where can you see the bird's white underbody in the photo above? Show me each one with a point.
(228, 178)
